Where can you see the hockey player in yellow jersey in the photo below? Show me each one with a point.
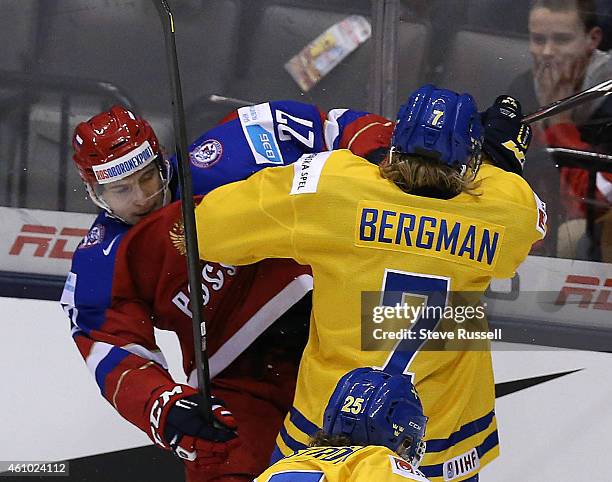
(430, 218)
(373, 430)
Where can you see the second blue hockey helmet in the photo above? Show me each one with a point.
(372, 407)
(439, 124)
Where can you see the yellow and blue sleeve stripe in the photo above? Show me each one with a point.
(297, 428)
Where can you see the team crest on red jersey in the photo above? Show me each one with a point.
(177, 236)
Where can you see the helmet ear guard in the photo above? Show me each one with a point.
(442, 126)
(372, 407)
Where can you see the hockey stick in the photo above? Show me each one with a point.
(188, 207)
(582, 159)
(556, 107)
(592, 93)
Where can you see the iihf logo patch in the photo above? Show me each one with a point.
(461, 465)
(206, 154)
(93, 237)
(450, 472)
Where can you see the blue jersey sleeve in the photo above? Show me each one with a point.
(88, 288)
(264, 135)
(278, 133)
(112, 341)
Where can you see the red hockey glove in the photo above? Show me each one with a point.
(506, 138)
(177, 424)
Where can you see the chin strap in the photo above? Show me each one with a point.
(165, 181)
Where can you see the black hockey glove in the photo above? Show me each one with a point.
(506, 138)
(177, 424)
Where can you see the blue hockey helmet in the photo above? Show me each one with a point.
(372, 407)
(439, 124)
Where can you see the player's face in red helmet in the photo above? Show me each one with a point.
(132, 198)
(119, 160)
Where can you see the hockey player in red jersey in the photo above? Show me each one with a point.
(253, 368)
(129, 276)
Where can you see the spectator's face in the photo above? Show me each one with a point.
(135, 196)
(559, 37)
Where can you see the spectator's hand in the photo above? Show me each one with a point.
(506, 138)
(177, 423)
(559, 79)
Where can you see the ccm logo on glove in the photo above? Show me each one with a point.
(177, 423)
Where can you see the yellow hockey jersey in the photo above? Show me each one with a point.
(342, 464)
(360, 233)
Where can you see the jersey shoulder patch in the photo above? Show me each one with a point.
(258, 128)
(542, 217)
(94, 236)
(401, 467)
(307, 172)
(97, 250)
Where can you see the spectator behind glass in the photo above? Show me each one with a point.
(563, 40)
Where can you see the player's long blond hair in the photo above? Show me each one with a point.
(426, 177)
(323, 439)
